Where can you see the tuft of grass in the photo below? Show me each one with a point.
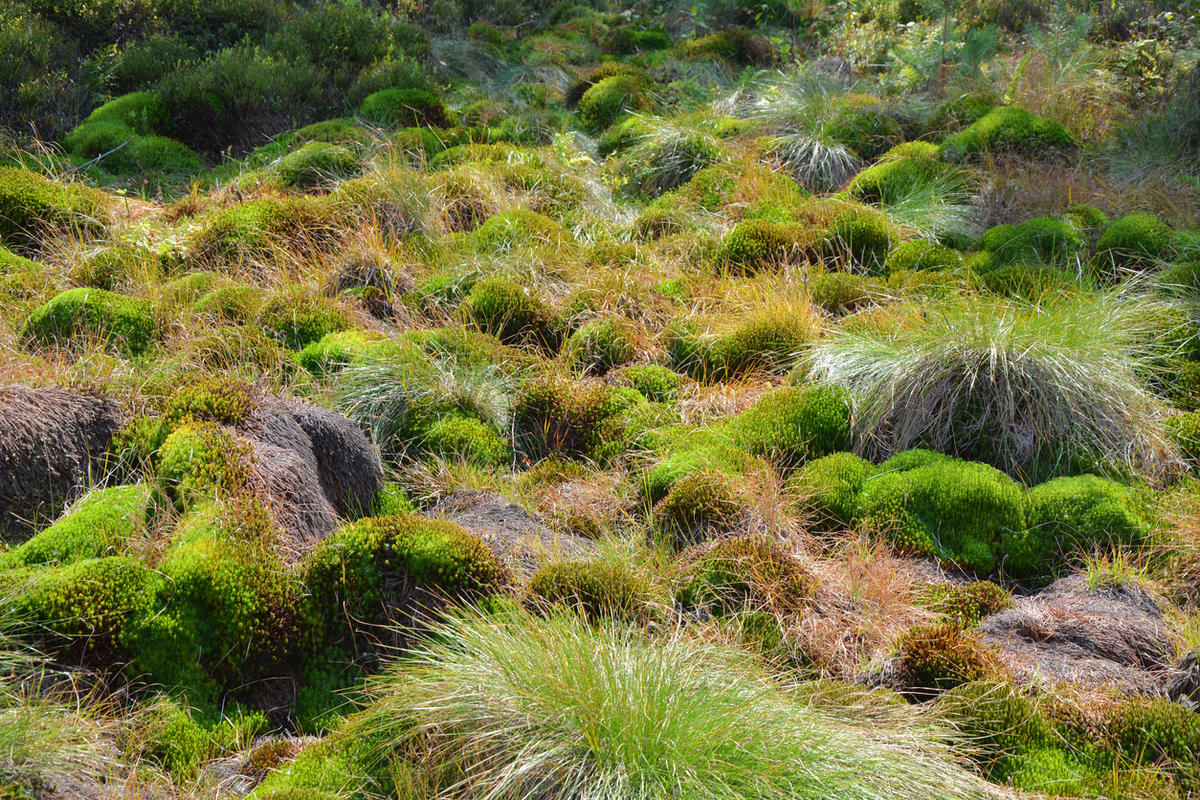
(1031, 390)
(558, 708)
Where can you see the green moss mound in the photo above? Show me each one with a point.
(657, 384)
(503, 308)
(768, 341)
(122, 323)
(898, 172)
(402, 108)
(601, 590)
(199, 459)
(102, 523)
(934, 658)
(608, 69)
(468, 439)
(212, 399)
(698, 506)
(869, 133)
(606, 100)
(961, 512)
(756, 245)
(1133, 242)
(554, 414)
(736, 45)
(827, 489)
(1074, 515)
(1011, 130)
(921, 255)
(318, 164)
(966, 604)
(298, 318)
(599, 346)
(749, 572)
(1046, 240)
(32, 206)
(790, 426)
(860, 239)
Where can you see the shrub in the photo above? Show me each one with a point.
(1008, 129)
(950, 381)
(102, 523)
(504, 309)
(238, 97)
(747, 572)
(828, 488)
(920, 255)
(123, 323)
(298, 317)
(32, 206)
(318, 164)
(699, 505)
(966, 604)
(468, 439)
(1073, 515)
(790, 426)
(755, 245)
(736, 45)
(563, 708)
(934, 658)
(599, 346)
(141, 64)
(600, 589)
(363, 574)
(403, 108)
(607, 99)
(961, 512)
(553, 414)
(1132, 243)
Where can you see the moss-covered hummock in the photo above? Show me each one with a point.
(76, 316)
(31, 206)
(1008, 129)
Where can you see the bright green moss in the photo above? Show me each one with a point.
(600, 589)
(1008, 129)
(468, 439)
(755, 245)
(86, 610)
(699, 505)
(895, 175)
(518, 227)
(686, 451)
(600, 345)
(839, 293)
(344, 132)
(318, 164)
(607, 69)
(1069, 516)
(143, 112)
(959, 112)
(1154, 731)
(1029, 282)
(790, 426)
(119, 322)
(1048, 240)
(32, 206)
(657, 384)
(229, 616)
(365, 571)
(402, 108)
(255, 229)
(102, 523)
(743, 573)
(827, 489)
(199, 458)
(297, 318)
(189, 288)
(666, 161)
(958, 511)
(212, 399)
(1133, 242)
(157, 154)
(607, 99)
(236, 304)
(1185, 429)
(115, 268)
(557, 415)
(333, 351)
(504, 309)
(921, 255)
(624, 135)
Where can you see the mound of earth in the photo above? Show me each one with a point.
(517, 537)
(1107, 637)
(52, 447)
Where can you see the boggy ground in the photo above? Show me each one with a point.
(599, 403)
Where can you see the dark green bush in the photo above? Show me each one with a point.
(122, 323)
(141, 64)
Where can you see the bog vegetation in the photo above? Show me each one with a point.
(443, 400)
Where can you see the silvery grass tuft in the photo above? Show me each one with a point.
(557, 709)
(1023, 387)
